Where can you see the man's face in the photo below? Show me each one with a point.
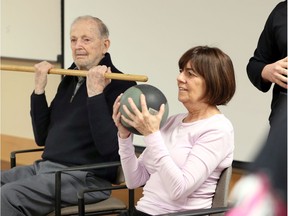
(87, 47)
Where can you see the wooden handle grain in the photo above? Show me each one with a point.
(59, 71)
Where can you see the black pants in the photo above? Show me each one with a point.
(273, 156)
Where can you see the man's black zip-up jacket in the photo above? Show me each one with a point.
(79, 131)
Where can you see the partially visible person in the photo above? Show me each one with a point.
(268, 66)
(183, 160)
(76, 129)
(264, 190)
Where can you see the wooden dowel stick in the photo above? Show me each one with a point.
(117, 76)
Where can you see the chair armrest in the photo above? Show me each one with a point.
(198, 212)
(81, 193)
(81, 202)
(75, 168)
(13, 154)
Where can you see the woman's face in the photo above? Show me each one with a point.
(191, 86)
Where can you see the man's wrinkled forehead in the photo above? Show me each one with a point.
(86, 28)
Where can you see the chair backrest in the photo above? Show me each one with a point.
(221, 193)
(219, 202)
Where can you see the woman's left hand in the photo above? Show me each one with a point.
(144, 122)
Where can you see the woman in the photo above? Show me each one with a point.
(183, 160)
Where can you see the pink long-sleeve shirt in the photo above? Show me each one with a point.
(180, 165)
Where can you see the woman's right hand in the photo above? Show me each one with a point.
(122, 131)
(276, 72)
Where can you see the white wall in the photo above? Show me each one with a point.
(30, 29)
(148, 37)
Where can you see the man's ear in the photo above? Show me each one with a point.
(106, 45)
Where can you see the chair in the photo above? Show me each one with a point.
(219, 202)
(111, 205)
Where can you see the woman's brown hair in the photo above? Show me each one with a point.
(217, 70)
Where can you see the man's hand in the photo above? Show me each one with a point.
(41, 71)
(96, 81)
